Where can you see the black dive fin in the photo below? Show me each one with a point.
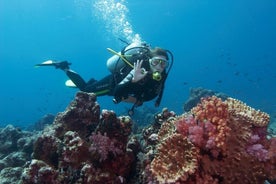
(77, 80)
(62, 65)
(46, 63)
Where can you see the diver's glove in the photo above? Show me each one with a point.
(138, 72)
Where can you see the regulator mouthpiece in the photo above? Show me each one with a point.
(156, 76)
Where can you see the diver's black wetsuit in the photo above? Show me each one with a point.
(143, 90)
(102, 87)
(121, 87)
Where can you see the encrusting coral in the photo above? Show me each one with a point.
(249, 114)
(217, 142)
(181, 162)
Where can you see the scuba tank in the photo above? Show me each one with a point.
(122, 59)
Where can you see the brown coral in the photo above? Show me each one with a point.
(238, 166)
(167, 129)
(249, 114)
(176, 159)
(270, 167)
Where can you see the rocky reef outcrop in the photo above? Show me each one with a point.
(219, 140)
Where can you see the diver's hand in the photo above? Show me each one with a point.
(139, 72)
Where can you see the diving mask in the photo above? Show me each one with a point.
(159, 60)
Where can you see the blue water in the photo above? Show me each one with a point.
(223, 45)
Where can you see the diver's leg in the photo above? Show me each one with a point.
(64, 65)
(102, 87)
(76, 79)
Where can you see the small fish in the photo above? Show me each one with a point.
(237, 73)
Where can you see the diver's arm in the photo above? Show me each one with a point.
(127, 79)
(121, 89)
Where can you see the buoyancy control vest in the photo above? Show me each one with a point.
(123, 61)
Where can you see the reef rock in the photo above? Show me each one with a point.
(16, 147)
(82, 146)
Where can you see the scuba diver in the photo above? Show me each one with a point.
(138, 74)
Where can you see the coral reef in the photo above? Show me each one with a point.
(217, 142)
(142, 116)
(82, 146)
(16, 147)
(197, 93)
(181, 162)
(42, 123)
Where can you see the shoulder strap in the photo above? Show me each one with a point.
(159, 98)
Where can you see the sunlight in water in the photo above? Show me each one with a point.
(114, 14)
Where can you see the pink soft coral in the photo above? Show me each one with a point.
(258, 151)
(103, 145)
(256, 148)
(196, 135)
(201, 134)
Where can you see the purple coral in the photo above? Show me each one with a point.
(255, 148)
(103, 145)
(196, 135)
(258, 151)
